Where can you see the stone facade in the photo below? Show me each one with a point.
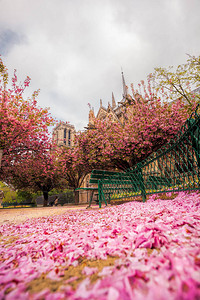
(84, 196)
(63, 134)
(115, 112)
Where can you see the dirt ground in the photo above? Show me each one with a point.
(18, 215)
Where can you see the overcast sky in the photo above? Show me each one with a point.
(74, 50)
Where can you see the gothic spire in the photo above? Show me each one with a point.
(113, 101)
(124, 88)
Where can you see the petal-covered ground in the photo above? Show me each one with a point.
(132, 251)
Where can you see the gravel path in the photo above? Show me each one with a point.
(18, 215)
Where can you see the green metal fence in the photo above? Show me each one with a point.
(174, 167)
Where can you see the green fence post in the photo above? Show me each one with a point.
(141, 182)
(101, 194)
(195, 133)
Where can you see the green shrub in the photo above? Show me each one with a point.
(24, 196)
(16, 197)
(58, 191)
(9, 196)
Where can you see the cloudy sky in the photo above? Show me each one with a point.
(74, 50)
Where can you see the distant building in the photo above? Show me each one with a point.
(117, 113)
(63, 134)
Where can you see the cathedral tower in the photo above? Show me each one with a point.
(63, 134)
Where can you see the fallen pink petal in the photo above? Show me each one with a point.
(130, 251)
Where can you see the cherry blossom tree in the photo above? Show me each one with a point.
(23, 125)
(74, 165)
(36, 172)
(149, 123)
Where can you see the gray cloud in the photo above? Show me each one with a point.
(74, 50)
(8, 39)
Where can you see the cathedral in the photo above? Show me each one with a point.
(114, 112)
(64, 133)
(119, 113)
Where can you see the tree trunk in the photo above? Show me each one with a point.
(46, 197)
(1, 154)
(76, 197)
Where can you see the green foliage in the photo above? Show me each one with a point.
(12, 196)
(9, 193)
(4, 186)
(179, 83)
(23, 196)
(58, 191)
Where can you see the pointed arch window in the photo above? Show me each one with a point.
(65, 135)
(69, 137)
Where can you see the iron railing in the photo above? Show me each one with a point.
(174, 167)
